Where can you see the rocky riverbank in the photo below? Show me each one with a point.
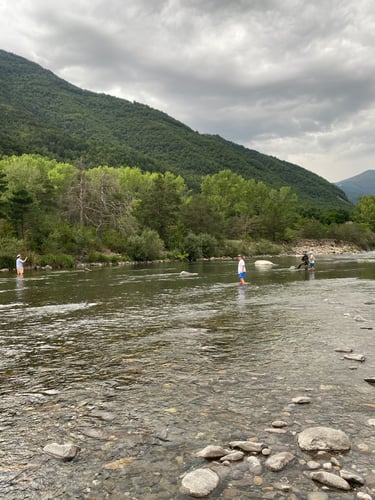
(324, 247)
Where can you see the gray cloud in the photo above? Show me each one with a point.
(294, 79)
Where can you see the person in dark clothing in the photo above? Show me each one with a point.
(305, 261)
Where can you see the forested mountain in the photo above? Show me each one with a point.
(41, 113)
(359, 185)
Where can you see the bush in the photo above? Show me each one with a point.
(193, 247)
(265, 247)
(208, 245)
(57, 261)
(353, 233)
(147, 246)
(7, 262)
(312, 229)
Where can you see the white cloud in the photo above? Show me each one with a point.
(294, 79)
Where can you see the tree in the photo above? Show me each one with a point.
(199, 215)
(364, 211)
(226, 192)
(279, 212)
(159, 208)
(20, 203)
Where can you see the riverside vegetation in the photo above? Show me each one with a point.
(90, 177)
(60, 213)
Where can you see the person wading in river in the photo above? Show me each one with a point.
(241, 269)
(19, 265)
(305, 260)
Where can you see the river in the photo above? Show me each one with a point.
(142, 367)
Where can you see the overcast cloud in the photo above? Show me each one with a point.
(290, 78)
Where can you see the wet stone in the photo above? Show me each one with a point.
(212, 451)
(355, 357)
(280, 460)
(233, 456)
(255, 465)
(352, 477)
(331, 480)
(279, 423)
(247, 446)
(64, 452)
(301, 400)
(199, 483)
(323, 438)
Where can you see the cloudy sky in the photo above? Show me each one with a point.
(290, 78)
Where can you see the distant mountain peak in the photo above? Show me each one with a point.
(358, 185)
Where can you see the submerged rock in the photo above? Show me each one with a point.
(247, 446)
(233, 456)
(301, 400)
(323, 438)
(355, 357)
(199, 483)
(331, 480)
(213, 451)
(279, 461)
(263, 263)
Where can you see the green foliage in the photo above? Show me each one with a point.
(57, 261)
(101, 213)
(147, 246)
(9, 248)
(265, 247)
(199, 246)
(364, 212)
(311, 229)
(234, 247)
(192, 247)
(6, 261)
(353, 233)
(208, 245)
(159, 208)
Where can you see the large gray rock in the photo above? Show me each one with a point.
(199, 483)
(323, 438)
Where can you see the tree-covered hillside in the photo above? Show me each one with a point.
(41, 113)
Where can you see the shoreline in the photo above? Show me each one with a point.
(324, 247)
(317, 247)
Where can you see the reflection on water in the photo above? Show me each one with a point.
(219, 357)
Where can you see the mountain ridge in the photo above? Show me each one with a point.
(358, 185)
(44, 114)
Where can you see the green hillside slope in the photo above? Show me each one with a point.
(41, 113)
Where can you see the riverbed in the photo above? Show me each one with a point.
(141, 367)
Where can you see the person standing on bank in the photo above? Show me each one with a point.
(241, 269)
(19, 265)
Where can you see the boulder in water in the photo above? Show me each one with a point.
(263, 263)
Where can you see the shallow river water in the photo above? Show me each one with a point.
(142, 367)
